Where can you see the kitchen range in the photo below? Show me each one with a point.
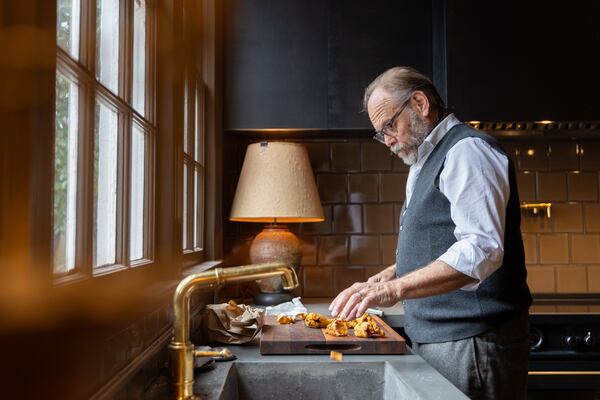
(565, 347)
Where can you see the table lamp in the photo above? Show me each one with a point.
(276, 186)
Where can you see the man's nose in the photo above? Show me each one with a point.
(389, 140)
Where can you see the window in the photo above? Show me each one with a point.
(193, 165)
(105, 133)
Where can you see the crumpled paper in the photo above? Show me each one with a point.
(291, 308)
(231, 323)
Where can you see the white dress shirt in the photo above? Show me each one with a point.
(475, 181)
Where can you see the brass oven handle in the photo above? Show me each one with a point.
(557, 373)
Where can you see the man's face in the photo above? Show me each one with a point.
(406, 132)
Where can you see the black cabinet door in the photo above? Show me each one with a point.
(365, 39)
(275, 64)
(525, 60)
(306, 63)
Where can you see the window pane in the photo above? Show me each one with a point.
(199, 126)
(139, 55)
(186, 117)
(67, 20)
(136, 246)
(105, 185)
(65, 175)
(107, 43)
(185, 201)
(198, 208)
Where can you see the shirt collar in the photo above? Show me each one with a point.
(437, 134)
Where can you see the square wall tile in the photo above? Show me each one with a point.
(531, 248)
(345, 157)
(326, 226)
(593, 276)
(363, 188)
(308, 244)
(526, 185)
(554, 248)
(533, 156)
(398, 164)
(364, 250)
(347, 218)
(568, 217)
(585, 248)
(332, 188)
(393, 187)
(535, 223)
(370, 271)
(237, 250)
(378, 218)
(319, 155)
(590, 155)
(592, 217)
(551, 186)
(541, 279)
(333, 250)
(388, 249)
(318, 282)
(571, 279)
(345, 277)
(397, 209)
(376, 157)
(564, 156)
(583, 186)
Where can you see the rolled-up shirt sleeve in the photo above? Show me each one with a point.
(475, 181)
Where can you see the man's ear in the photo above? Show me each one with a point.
(421, 103)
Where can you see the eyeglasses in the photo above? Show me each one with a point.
(389, 126)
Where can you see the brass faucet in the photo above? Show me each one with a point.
(181, 350)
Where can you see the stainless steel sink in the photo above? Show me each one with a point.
(314, 380)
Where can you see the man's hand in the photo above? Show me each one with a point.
(386, 275)
(354, 301)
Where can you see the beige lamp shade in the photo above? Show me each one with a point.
(276, 185)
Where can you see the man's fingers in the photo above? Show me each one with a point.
(354, 299)
(361, 308)
(338, 303)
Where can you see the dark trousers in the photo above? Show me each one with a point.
(492, 365)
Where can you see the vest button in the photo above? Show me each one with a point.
(400, 227)
(396, 251)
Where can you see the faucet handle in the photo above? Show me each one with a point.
(224, 353)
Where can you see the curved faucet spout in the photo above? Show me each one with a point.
(182, 358)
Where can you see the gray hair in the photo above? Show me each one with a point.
(400, 83)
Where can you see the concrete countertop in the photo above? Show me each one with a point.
(420, 378)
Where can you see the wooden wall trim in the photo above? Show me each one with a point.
(120, 379)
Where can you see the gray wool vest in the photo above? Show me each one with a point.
(427, 231)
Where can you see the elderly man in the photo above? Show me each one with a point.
(460, 270)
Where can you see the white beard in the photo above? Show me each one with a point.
(419, 129)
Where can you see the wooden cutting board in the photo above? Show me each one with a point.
(297, 338)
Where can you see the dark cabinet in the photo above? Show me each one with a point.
(306, 63)
(275, 64)
(526, 60)
(365, 39)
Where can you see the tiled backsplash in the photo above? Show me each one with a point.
(362, 187)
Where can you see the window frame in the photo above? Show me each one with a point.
(83, 73)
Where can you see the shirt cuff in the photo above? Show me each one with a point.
(457, 261)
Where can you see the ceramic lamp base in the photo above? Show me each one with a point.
(275, 243)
